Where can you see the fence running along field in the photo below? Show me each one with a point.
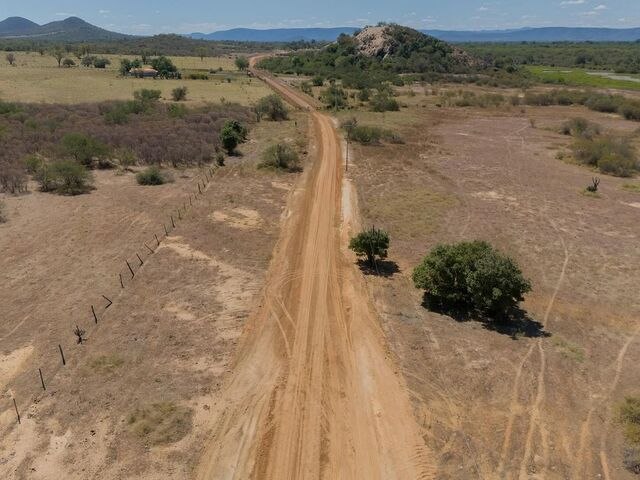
(97, 312)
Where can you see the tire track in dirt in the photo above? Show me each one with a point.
(536, 413)
(308, 398)
(619, 366)
(515, 407)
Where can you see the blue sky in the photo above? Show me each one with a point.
(185, 16)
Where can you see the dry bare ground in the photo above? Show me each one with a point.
(132, 402)
(535, 400)
(313, 393)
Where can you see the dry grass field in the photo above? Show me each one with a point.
(37, 78)
(535, 400)
(133, 399)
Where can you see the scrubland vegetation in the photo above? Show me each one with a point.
(629, 418)
(42, 139)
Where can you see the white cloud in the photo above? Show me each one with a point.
(103, 12)
(572, 2)
(600, 7)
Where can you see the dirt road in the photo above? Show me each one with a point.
(313, 393)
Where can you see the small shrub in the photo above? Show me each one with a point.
(370, 244)
(179, 94)
(580, 127)
(630, 110)
(101, 63)
(334, 97)
(306, 88)
(118, 115)
(67, 63)
(32, 164)
(3, 212)
(176, 111)
(272, 107)
(220, 159)
(604, 103)
(151, 176)
(613, 156)
(12, 179)
(198, 76)
(147, 95)
(280, 156)
(382, 102)
(631, 459)
(125, 157)
(317, 81)
(473, 276)
(364, 95)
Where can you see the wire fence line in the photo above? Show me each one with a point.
(97, 311)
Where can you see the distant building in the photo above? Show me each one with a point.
(143, 72)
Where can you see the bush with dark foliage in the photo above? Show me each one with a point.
(370, 244)
(472, 276)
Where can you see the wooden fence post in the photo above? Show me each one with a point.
(15, 405)
(64, 361)
(130, 269)
(42, 379)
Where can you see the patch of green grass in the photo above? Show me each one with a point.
(579, 77)
(632, 187)
(408, 213)
(161, 423)
(568, 349)
(629, 417)
(587, 193)
(106, 363)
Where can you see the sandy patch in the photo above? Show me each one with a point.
(493, 195)
(11, 364)
(242, 218)
(634, 204)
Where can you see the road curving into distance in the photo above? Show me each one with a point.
(313, 392)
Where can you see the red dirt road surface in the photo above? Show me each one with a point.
(313, 392)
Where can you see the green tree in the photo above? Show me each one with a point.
(202, 52)
(370, 243)
(280, 156)
(64, 176)
(242, 63)
(471, 275)
(334, 97)
(83, 148)
(232, 134)
(165, 67)
(58, 54)
(101, 63)
(272, 107)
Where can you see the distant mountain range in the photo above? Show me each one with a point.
(276, 34)
(543, 34)
(72, 29)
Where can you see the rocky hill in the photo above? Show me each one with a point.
(388, 42)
